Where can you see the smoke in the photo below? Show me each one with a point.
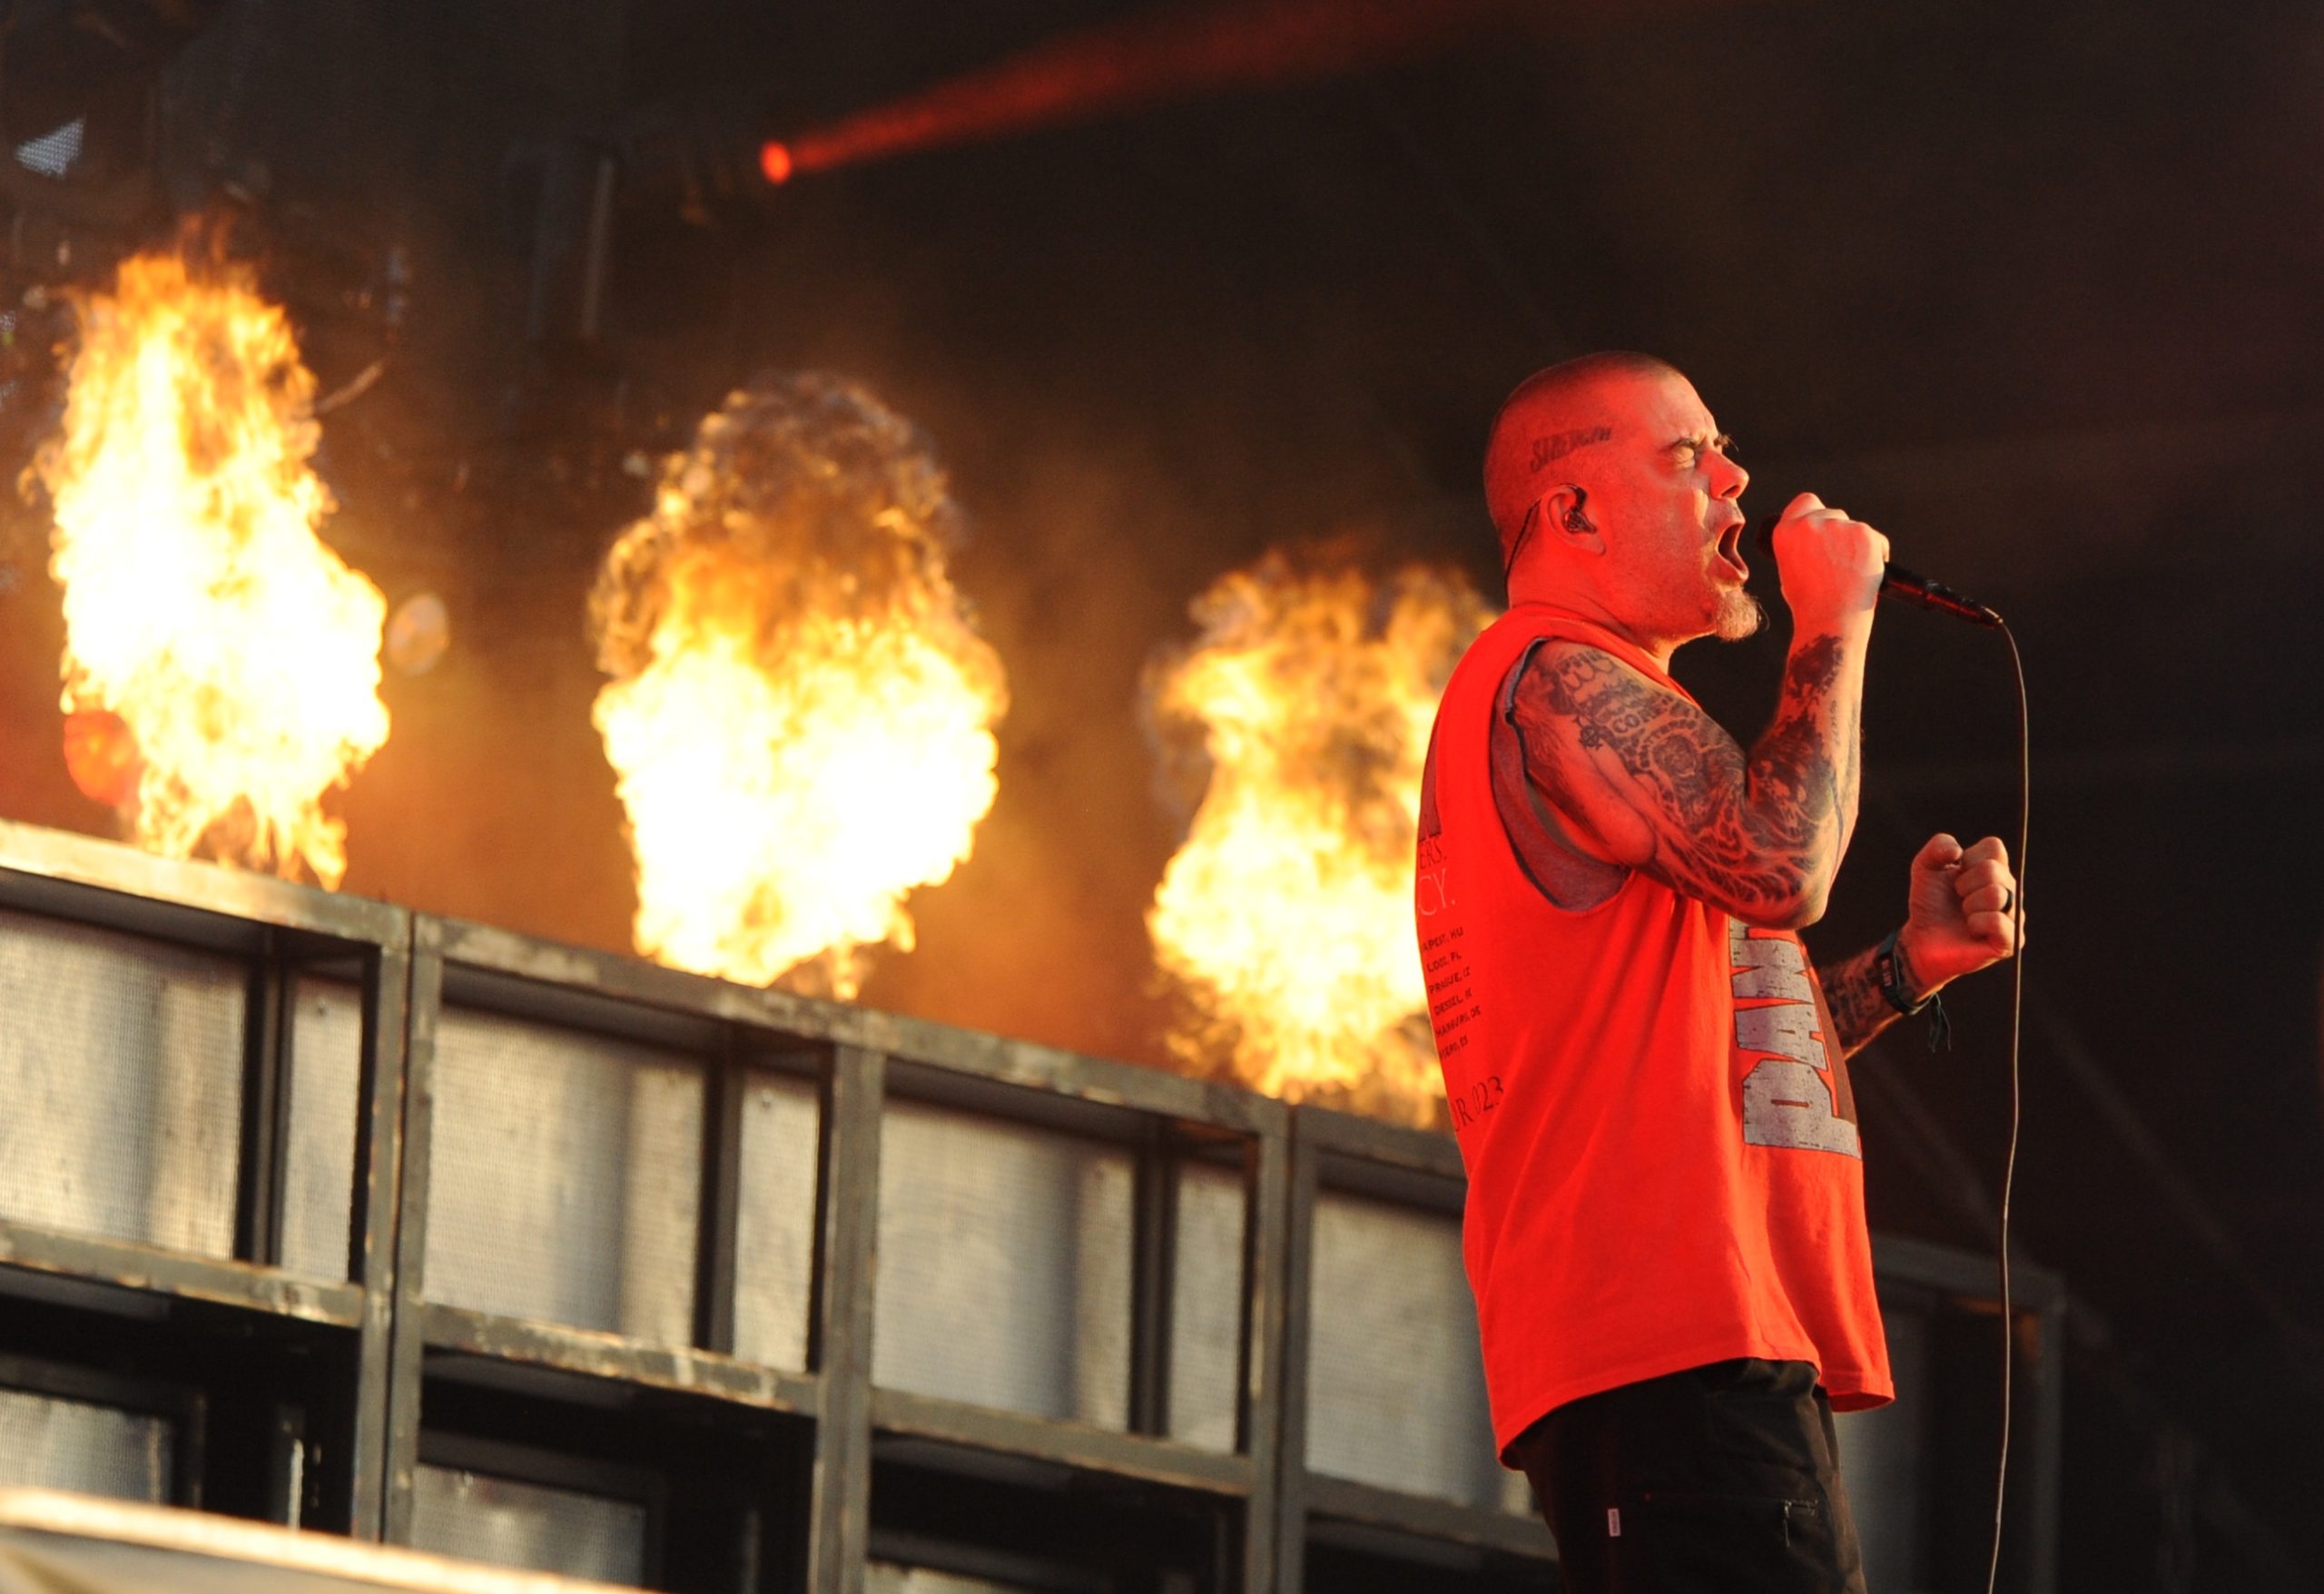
(806, 490)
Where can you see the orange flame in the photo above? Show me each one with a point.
(101, 756)
(238, 652)
(1285, 919)
(801, 714)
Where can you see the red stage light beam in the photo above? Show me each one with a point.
(1141, 61)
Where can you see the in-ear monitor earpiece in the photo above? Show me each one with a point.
(1575, 520)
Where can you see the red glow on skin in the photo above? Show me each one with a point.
(774, 160)
(1142, 61)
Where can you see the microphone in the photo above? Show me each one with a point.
(1896, 582)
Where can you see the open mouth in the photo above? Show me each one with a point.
(1730, 551)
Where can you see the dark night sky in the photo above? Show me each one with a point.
(2033, 287)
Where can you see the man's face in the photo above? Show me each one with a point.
(1667, 503)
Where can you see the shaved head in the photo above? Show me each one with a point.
(1562, 411)
(1617, 496)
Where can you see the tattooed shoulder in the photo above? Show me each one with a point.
(1657, 735)
(1752, 831)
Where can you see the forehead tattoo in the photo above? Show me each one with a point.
(1548, 450)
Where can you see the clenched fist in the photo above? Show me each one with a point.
(1962, 916)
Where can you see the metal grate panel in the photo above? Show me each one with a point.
(1206, 1306)
(319, 1158)
(1396, 1386)
(564, 1177)
(121, 1062)
(530, 1525)
(51, 1443)
(1004, 1266)
(774, 1231)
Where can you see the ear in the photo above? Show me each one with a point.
(1565, 515)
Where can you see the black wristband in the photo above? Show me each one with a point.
(1887, 969)
(1892, 978)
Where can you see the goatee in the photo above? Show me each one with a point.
(1739, 615)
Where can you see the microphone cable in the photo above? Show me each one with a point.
(1905, 585)
(2016, 1042)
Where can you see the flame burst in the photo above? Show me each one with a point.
(240, 653)
(801, 715)
(1285, 919)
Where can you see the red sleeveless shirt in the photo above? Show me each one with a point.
(1664, 1169)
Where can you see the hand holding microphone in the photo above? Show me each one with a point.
(1828, 563)
(1809, 512)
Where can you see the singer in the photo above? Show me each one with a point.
(1665, 1228)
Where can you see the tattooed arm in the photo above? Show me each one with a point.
(1852, 991)
(1650, 781)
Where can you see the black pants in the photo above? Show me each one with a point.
(1722, 1478)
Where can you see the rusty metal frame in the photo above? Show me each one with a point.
(126, 1266)
(275, 927)
(182, 1408)
(423, 999)
(90, 881)
(1287, 1521)
(728, 1032)
(1412, 1168)
(1269, 1390)
(1162, 1118)
(847, 1199)
(374, 1226)
(871, 1056)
